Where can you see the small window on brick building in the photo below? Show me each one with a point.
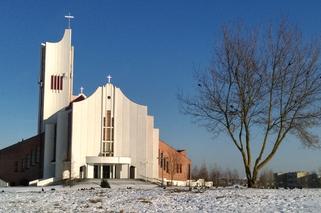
(16, 166)
(167, 170)
(22, 165)
(161, 160)
(164, 164)
(28, 161)
(38, 154)
(180, 168)
(33, 157)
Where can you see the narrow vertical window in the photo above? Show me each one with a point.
(108, 118)
(56, 82)
(33, 157)
(38, 154)
(112, 134)
(22, 165)
(104, 134)
(108, 135)
(16, 166)
(167, 170)
(61, 82)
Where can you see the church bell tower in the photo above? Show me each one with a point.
(56, 77)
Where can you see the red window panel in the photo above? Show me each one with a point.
(61, 82)
(58, 82)
(52, 82)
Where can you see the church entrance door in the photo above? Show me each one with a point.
(107, 172)
(132, 172)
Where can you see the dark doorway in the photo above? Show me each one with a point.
(132, 172)
(82, 172)
(96, 171)
(106, 171)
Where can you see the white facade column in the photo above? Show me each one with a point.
(90, 171)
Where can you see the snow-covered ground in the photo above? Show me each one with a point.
(150, 198)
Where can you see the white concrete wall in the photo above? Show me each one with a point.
(86, 130)
(62, 143)
(134, 133)
(48, 167)
(134, 136)
(58, 61)
(124, 171)
(90, 171)
(155, 153)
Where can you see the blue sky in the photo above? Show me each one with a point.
(151, 49)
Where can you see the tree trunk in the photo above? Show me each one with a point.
(251, 183)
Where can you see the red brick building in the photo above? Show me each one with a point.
(23, 161)
(174, 165)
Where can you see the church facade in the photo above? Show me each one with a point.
(104, 135)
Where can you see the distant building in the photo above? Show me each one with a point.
(174, 165)
(22, 161)
(298, 179)
(104, 135)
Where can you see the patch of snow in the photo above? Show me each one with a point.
(150, 198)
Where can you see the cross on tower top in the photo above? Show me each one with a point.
(109, 78)
(69, 17)
(81, 90)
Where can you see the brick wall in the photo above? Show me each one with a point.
(23, 161)
(173, 164)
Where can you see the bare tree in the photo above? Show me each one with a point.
(235, 176)
(215, 175)
(230, 177)
(260, 83)
(195, 172)
(203, 172)
(266, 179)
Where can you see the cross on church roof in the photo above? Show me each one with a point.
(109, 78)
(69, 17)
(81, 89)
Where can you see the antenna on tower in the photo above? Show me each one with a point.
(69, 17)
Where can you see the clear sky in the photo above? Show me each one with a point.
(151, 49)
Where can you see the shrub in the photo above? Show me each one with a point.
(104, 184)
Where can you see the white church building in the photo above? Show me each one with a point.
(104, 135)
